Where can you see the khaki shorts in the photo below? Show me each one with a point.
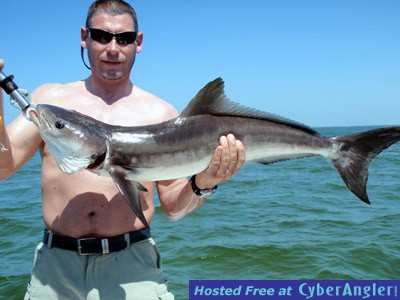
(132, 273)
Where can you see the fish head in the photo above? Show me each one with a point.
(76, 141)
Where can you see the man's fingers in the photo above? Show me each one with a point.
(228, 158)
(241, 155)
(233, 154)
(224, 161)
(216, 160)
(1, 63)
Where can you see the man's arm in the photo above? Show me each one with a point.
(176, 196)
(19, 141)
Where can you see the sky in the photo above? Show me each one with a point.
(319, 62)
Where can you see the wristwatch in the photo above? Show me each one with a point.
(202, 193)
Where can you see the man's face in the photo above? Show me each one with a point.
(112, 60)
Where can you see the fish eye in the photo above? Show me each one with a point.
(59, 124)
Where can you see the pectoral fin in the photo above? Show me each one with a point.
(130, 192)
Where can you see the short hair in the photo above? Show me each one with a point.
(111, 7)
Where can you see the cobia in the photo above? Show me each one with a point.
(184, 146)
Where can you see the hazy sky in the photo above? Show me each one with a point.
(322, 63)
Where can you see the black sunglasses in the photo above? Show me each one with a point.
(104, 37)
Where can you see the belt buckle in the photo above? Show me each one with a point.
(104, 246)
(81, 243)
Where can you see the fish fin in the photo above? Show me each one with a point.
(263, 162)
(212, 100)
(139, 186)
(130, 192)
(356, 151)
(275, 159)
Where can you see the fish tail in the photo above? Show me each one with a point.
(355, 152)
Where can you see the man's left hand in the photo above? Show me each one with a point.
(228, 158)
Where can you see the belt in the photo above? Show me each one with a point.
(89, 246)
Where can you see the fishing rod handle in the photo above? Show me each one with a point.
(20, 97)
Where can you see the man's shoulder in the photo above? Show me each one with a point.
(141, 93)
(154, 103)
(54, 92)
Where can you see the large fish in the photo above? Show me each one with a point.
(184, 146)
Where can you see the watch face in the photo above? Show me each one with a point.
(202, 193)
(206, 193)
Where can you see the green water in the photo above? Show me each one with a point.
(290, 220)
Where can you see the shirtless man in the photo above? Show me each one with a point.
(124, 261)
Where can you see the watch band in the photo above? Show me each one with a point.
(202, 193)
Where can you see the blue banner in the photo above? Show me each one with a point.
(294, 289)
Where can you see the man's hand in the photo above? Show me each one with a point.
(226, 162)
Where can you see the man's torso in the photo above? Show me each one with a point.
(85, 204)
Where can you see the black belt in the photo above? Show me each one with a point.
(88, 246)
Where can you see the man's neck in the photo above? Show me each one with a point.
(109, 90)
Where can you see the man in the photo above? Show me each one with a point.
(83, 206)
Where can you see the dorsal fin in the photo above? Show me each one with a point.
(212, 100)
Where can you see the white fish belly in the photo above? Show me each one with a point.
(173, 171)
(192, 164)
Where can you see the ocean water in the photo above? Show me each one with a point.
(289, 220)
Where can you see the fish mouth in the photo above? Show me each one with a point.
(33, 116)
(37, 116)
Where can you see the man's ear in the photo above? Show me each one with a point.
(139, 42)
(84, 35)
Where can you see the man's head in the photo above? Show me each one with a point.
(112, 38)
(111, 7)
